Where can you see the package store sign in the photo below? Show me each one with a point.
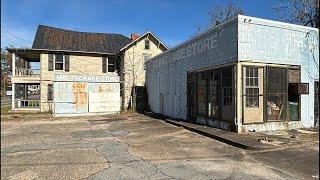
(85, 78)
(188, 50)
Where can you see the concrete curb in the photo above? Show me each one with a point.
(218, 138)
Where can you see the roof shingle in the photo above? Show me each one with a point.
(51, 38)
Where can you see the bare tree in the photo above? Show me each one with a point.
(303, 12)
(134, 70)
(219, 13)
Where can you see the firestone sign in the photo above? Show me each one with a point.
(85, 78)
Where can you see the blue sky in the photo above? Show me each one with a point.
(173, 21)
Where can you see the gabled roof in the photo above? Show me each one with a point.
(145, 34)
(51, 38)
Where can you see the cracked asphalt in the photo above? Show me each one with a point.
(134, 146)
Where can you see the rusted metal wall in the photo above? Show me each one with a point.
(78, 94)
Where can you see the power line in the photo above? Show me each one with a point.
(18, 37)
(13, 39)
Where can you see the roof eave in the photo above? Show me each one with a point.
(125, 47)
(52, 50)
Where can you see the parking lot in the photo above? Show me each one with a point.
(134, 146)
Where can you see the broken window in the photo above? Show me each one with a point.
(227, 86)
(277, 92)
(251, 87)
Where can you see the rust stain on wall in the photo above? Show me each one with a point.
(79, 93)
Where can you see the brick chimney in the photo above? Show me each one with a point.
(134, 36)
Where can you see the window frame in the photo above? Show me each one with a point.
(109, 64)
(251, 83)
(278, 95)
(226, 87)
(63, 62)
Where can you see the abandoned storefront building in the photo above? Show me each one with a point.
(246, 74)
(70, 72)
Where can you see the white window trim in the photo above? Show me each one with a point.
(251, 86)
(63, 63)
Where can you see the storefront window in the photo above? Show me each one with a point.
(227, 86)
(277, 93)
(202, 94)
(214, 95)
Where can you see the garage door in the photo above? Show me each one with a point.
(86, 97)
(70, 97)
(104, 97)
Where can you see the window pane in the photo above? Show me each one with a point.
(111, 68)
(59, 58)
(59, 66)
(111, 61)
(255, 81)
(276, 107)
(252, 101)
(111, 64)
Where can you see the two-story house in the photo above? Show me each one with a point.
(70, 72)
